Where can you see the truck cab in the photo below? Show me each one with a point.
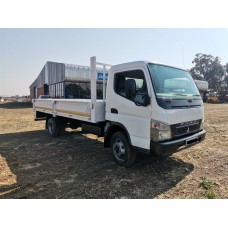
(157, 108)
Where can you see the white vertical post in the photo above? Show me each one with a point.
(93, 86)
(104, 82)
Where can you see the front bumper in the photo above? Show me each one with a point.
(172, 146)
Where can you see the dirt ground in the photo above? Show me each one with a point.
(34, 165)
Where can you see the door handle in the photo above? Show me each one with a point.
(113, 110)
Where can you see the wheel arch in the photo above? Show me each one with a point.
(112, 128)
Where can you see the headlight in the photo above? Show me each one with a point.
(202, 124)
(160, 131)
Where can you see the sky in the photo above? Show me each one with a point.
(24, 52)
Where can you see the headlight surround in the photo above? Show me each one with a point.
(160, 131)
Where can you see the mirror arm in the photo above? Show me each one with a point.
(145, 104)
(138, 104)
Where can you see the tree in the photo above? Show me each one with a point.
(208, 68)
(223, 89)
(226, 69)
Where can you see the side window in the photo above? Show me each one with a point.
(138, 76)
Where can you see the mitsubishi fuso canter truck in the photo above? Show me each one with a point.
(146, 107)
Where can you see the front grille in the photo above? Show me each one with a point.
(185, 128)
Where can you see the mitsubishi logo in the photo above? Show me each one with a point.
(189, 100)
(188, 130)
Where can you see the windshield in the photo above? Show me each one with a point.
(172, 82)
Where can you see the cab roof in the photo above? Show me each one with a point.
(142, 63)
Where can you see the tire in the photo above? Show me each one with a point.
(53, 128)
(122, 152)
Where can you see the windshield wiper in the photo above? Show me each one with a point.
(181, 94)
(178, 94)
(196, 95)
(169, 99)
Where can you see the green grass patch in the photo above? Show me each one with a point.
(206, 184)
(211, 195)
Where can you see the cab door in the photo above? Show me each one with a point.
(129, 113)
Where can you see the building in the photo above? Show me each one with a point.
(61, 80)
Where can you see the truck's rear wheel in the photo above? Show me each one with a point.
(53, 128)
(121, 150)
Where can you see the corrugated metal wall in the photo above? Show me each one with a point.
(50, 74)
(41, 78)
(56, 72)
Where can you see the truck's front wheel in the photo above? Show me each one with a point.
(121, 150)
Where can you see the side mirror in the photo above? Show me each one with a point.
(130, 89)
(146, 100)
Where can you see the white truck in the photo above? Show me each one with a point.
(147, 107)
